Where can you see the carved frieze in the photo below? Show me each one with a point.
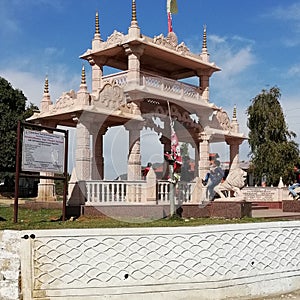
(171, 42)
(111, 96)
(66, 100)
(115, 38)
(223, 120)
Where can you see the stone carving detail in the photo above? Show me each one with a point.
(171, 42)
(67, 99)
(182, 48)
(235, 181)
(83, 259)
(115, 38)
(111, 96)
(224, 120)
(182, 117)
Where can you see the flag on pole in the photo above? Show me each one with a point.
(175, 149)
(171, 9)
(174, 156)
(172, 6)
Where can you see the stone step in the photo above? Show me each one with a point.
(256, 206)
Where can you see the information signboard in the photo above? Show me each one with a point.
(42, 152)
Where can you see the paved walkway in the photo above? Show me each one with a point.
(274, 213)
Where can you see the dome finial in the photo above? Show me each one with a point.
(204, 43)
(83, 80)
(234, 113)
(97, 28)
(46, 85)
(133, 18)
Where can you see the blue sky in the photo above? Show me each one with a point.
(256, 44)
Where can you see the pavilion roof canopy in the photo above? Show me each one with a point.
(161, 55)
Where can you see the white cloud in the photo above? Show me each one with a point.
(288, 17)
(235, 63)
(32, 85)
(294, 71)
(235, 54)
(291, 12)
(28, 83)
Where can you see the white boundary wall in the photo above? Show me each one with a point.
(206, 262)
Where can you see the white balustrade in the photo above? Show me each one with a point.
(158, 82)
(118, 78)
(163, 191)
(183, 192)
(113, 192)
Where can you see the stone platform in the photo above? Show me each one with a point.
(291, 206)
(217, 209)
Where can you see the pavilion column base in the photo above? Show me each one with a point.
(46, 192)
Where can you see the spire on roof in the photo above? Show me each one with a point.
(234, 113)
(83, 96)
(204, 42)
(133, 18)
(97, 37)
(46, 101)
(83, 79)
(134, 30)
(97, 28)
(204, 53)
(234, 122)
(46, 86)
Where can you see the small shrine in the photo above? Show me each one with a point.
(148, 85)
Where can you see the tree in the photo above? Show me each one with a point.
(13, 108)
(273, 151)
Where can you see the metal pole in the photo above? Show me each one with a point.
(172, 190)
(66, 175)
(17, 176)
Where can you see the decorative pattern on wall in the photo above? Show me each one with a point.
(122, 257)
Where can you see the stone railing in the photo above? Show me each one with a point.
(124, 192)
(118, 78)
(183, 192)
(160, 83)
(114, 192)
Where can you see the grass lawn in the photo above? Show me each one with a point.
(50, 219)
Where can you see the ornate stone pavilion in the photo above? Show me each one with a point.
(147, 85)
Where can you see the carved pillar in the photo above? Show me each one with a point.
(196, 167)
(97, 72)
(97, 165)
(82, 169)
(204, 84)
(82, 153)
(234, 148)
(134, 156)
(203, 163)
(134, 53)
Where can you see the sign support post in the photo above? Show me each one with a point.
(36, 142)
